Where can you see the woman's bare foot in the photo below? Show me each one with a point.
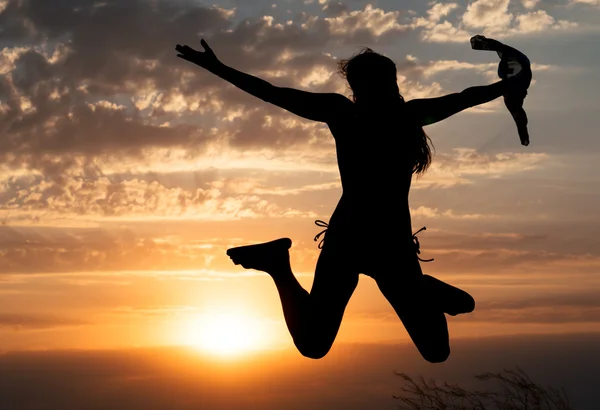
(267, 257)
(451, 300)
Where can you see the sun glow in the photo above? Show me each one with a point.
(227, 334)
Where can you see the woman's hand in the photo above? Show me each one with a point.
(206, 59)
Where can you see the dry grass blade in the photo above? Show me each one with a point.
(514, 391)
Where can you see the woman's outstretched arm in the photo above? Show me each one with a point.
(431, 110)
(313, 106)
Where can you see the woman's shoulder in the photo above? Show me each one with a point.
(343, 105)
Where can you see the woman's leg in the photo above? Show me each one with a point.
(398, 275)
(416, 307)
(314, 318)
(450, 299)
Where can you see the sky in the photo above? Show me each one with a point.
(126, 173)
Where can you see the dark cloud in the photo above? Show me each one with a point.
(110, 50)
(335, 9)
(103, 51)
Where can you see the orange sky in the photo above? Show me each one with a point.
(127, 173)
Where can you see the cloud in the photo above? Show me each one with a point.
(467, 161)
(492, 257)
(129, 97)
(530, 4)
(488, 17)
(539, 21)
(492, 15)
(335, 9)
(590, 2)
(558, 299)
(183, 250)
(440, 10)
(254, 186)
(530, 308)
(36, 322)
(412, 72)
(88, 194)
(153, 311)
(465, 165)
(374, 21)
(66, 93)
(435, 14)
(545, 315)
(445, 32)
(82, 197)
(84, 120)
(435, 30)
(427, 212)
(566, 305)
(64, 250)
(436, 67)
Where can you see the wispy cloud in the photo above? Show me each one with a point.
(37, 322)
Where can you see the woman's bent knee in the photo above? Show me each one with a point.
(313, 350)
(438, 355)
(470, 304)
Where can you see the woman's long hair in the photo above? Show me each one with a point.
(368, 67)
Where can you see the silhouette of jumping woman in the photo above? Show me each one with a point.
(380, 144)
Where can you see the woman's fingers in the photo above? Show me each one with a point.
(185, 49)
(188, 50)
(202, 58)
(205, 45)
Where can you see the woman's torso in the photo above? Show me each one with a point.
(376, 171)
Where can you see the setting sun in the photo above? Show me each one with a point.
(226, 334)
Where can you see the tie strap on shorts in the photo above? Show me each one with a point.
(418, 245)
(323, 224)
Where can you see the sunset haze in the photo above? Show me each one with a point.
(127, 173)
